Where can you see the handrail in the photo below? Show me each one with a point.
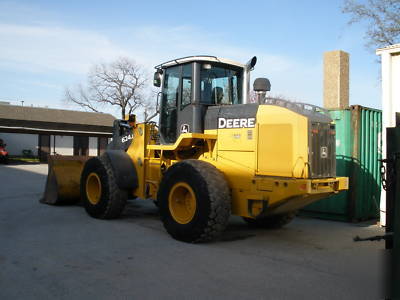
(298, 105)
(185, 57)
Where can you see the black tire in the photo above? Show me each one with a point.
(212, 201)
(4, 159)
(271, 222)
(112, 199)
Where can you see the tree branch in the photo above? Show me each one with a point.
(120, 83)
(382, 18)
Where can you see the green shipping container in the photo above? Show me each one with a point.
(358, 151)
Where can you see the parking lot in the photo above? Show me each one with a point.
(59, 252)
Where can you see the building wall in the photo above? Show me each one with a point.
(93, 146)
(63, 144)
(16, 142)
(390, 58)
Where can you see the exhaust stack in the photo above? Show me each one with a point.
(246, 78)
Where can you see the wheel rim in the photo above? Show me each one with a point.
(93, 188)
(182, 203)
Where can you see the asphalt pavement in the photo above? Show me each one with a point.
(59, 252)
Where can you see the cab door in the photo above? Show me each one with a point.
(185, 107)
(169, 104)
(176, 106)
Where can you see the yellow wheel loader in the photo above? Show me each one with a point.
(212, 154)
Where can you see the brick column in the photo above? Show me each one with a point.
(336, 79)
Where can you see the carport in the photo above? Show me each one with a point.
(46, 131)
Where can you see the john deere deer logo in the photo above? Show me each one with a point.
(184, 128)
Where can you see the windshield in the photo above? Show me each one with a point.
(220, 85)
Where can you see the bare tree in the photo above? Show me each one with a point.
(121, 83)
(382, 18)
(149, 107)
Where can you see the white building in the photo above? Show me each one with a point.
(43, 131)
(390, 58)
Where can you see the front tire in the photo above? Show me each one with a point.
(102, 198)
(194, 201)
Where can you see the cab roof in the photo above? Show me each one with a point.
(202, 58)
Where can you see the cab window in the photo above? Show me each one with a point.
(220, 85)
(186, 85)
(168, 117)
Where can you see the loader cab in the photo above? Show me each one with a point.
(189, 86)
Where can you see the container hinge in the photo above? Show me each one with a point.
(388, 171)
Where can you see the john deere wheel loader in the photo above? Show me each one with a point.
(213, 154)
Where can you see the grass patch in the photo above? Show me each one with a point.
(24, 159)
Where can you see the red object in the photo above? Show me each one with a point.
(3, 152)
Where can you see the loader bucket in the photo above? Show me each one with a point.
(63, 179)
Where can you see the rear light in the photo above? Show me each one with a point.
(303, 187)
(314, 131)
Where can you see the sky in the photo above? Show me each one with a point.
(47, 46)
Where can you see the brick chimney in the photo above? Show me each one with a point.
(336, 79)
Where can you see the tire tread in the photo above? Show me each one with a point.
(117, 198)
(219, 198)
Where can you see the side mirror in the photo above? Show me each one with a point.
(261, 86)
(157, 78)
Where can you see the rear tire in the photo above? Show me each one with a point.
(271, 222)
(194, 201)
(101, 196)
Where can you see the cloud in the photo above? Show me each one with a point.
(14, 12)
(156, 44)
(295, 79)
(41, 49)
(47, 47)
(44, 45)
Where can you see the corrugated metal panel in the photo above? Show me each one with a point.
(358, 150)
(367, 188)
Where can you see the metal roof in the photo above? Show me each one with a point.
(390, 49)
(50, 115)
(204, 58)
